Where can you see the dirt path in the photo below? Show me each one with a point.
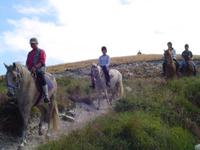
(83, 114)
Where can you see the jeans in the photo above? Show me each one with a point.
(106, 73)
(40, 73)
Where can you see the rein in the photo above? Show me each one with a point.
(17, 86)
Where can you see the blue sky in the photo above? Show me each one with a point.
(73, 30)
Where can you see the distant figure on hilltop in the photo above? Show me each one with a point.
(187, 56)
(104, 62)
(173, 51)
(139, 53)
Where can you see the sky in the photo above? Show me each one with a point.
(75, 30)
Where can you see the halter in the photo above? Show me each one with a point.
(18, 81)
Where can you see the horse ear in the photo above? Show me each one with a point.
(14, 65)
(6, 66)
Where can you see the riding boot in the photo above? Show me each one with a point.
(107, 83)
(46, 95)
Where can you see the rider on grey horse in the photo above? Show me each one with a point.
(104, 62)
(36, 65)
(187, 55)
(169, 45)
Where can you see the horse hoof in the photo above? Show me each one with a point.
(47, 136)
(19, 147)
(40, 133)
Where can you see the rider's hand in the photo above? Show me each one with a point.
(33, 69)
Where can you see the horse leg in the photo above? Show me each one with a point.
(40, 128)
(25, 116)
(107, 98)
(49, 117)
(42, 118)
(98, 100)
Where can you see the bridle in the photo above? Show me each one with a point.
(16, 86)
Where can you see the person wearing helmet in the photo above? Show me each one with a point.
(35, 63)
(169, 45)
(104, 62)
(187, 55)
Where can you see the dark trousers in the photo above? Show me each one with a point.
(41, 77)
(106, 73)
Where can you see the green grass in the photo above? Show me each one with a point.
(152, 116)
(70, 86)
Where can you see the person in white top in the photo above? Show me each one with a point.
(169, 45)
(104, 62)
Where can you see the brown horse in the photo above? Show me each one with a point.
(170, 65)
(21, 84)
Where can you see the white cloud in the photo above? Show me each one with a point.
(84, 26)
(31, 10)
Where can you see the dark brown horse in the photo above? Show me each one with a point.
(188, 69)
(170, 65)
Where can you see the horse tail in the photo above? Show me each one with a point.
(121, 88)
(55, 115)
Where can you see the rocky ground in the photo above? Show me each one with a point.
(83, 113)
(143, 69)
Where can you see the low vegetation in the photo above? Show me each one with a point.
(154, 114)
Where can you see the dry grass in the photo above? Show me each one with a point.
(114, 60)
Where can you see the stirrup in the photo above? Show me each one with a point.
(108, 84)
(46, 100)
(92, 86)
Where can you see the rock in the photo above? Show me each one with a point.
(67, 118)
(197, 147)
(128, 89)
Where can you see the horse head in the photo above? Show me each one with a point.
(13, 79)
(168, 55)
(95, 70)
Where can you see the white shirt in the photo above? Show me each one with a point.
(104, 60)
(173, 53)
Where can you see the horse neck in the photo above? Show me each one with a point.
(169, 58)
(26, 80)
(100, 79)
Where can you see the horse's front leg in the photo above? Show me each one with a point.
(98, 101)
(42, 117)
(107, 97)
(50, 109)
(25, 116)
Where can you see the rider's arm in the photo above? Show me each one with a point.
(99, 61)
(28, 61)
(108, 61)
(42, 59)
(191, 54)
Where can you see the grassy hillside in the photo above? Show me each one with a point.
(153, 115)
(114, 60)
